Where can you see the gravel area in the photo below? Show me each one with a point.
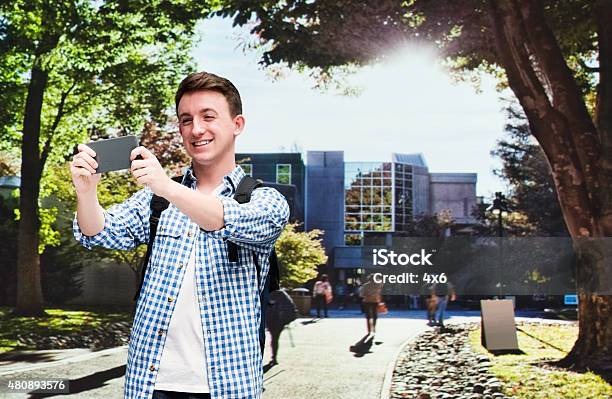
(107, 336)
(440, 364)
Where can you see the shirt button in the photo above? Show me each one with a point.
(190, 234)
(152, 368)
(170, 299)
(180, 265)
(160, 332)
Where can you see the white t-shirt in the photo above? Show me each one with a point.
(183, 362)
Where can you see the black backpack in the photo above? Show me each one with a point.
(281, 309)
(242, 195)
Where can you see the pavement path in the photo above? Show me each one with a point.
(314, 360)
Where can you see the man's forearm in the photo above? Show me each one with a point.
(90, 215)
(206, 210)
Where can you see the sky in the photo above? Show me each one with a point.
(407, 104)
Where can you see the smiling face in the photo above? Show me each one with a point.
(207, 126)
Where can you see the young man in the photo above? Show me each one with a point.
(196, 327)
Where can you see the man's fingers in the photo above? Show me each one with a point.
(86, 149)
(87, 158)
(79, 171)
(80, 163)
(138, 164)
(142, 151)
(137, 173)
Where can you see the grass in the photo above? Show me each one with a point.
(59, 322)
(531, 376)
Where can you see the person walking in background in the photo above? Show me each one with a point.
(443, 293)
(431, 304)
(370, 294)
(281, 311)
(322, 293)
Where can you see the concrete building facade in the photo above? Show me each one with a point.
(351, 201)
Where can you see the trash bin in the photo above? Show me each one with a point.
(302, 299)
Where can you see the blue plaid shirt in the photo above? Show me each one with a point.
(228, 294)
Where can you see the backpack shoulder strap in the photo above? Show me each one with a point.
(274, 271)
(242, 196)
(158, 205)
(245, 188)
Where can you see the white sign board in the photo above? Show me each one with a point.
(498, 330)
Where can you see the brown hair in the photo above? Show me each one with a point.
(207, 81)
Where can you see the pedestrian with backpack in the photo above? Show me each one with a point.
(280, 313)
(198, 320)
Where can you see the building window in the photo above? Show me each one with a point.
(368, 194)
(248, 168)
(283, 173)
(353, 239)
(403, 196)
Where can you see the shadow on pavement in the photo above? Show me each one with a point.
(268, 366)
(311, 321)
(16, 357)
(363, 346)
(92, 381)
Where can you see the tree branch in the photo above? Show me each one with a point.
(515, 60)
(548, 125)
(89, 98)
(58, 117)
(566, 96)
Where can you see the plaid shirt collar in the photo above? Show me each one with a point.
(227, 188)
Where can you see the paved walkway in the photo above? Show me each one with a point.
(319, 364)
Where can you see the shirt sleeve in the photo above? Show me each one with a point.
(257, 223)
(126, 225)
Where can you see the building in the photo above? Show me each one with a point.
(283, 171)
(377, 199)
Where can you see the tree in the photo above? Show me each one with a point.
(59, 266)
(299, 255)
(543, 50)
(72, 69)
(532, 189)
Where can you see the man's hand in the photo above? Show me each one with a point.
(83, 170)
(148, 172)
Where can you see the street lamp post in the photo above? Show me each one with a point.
(500, 209)
(499, 311)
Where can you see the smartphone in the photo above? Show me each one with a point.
(113, 154)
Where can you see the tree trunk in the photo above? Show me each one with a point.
(593, 348)
(538, 75)
(594, 344)
(29, 292)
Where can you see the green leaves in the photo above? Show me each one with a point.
(111, 67)
(299, 255)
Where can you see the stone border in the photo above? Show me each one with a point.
(106, 336)
(385, 392)
(455, 354)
